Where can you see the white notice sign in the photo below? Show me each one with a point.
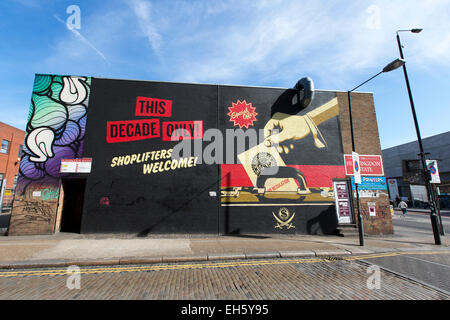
(76, 165)
(36, 193)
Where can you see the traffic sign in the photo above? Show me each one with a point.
(356, 168)
(434, 171)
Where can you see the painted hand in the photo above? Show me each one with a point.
(289, 127)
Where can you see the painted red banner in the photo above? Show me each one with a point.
(153, 107)
(371, 165)
(132, 130)
(234, 175)
(178, 130)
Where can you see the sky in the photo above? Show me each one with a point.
(339, 44)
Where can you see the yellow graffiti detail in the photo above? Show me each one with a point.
(140, 157)
(154, 161)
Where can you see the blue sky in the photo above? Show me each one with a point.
(339, 44)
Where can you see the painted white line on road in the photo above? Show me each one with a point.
(436, 263)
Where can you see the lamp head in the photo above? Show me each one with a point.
(416, 30)
(397, 63)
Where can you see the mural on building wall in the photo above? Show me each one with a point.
(284, 181)
(55, 130)
(137, 186)
(295, 180)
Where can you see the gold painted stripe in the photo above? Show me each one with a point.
(275, 204)
(200, 265)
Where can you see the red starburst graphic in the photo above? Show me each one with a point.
(242, 114)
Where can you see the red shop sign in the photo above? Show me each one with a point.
(371, 165)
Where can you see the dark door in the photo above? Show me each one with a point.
(72, 205)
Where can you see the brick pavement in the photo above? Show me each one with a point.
(337, 279)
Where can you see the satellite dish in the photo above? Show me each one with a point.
(305, 87)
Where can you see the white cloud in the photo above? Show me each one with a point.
(83, 39)
(260, 42)
(283, 41)
(143, 11)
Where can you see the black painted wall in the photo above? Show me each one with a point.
(123, 199)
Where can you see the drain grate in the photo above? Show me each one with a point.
(332, 258)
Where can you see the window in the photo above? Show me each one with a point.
(20, 151)
(1, 181)
(5, 146)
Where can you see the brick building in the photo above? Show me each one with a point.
(11, 140)
(101, 157)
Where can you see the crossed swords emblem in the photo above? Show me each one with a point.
(283, 213)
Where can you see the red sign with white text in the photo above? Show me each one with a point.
(132, 130)
(242, 114)
(177, 130)
(370, 165)
(153, 107)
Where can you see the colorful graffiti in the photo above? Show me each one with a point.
(55, 128)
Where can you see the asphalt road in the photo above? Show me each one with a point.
(315, 278)
(402, 275)
(417, 222)
(429, 269)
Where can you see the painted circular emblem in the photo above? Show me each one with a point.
(284, 213)
(262, 160)
(242, 114)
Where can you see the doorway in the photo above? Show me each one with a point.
(72, 208)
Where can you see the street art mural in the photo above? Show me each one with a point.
(263, 160)
(285, 182)
(55, 127)
(55, 130)
(245, 182)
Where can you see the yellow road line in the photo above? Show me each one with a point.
(200, 265)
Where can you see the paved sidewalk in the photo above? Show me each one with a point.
(64, 249)
(444, 212)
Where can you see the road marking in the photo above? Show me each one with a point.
(94, 270)
(436, 263)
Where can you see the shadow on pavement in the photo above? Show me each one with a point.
(247, 236)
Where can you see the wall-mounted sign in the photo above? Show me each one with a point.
(393, 188)
(370, 165)
(370, 183)
(341, 196)
(419, 192)
(37, 193)
(367, 194)
(372, 212)
(76, 165)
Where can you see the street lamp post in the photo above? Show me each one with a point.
(391, 66)
(426, 173)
